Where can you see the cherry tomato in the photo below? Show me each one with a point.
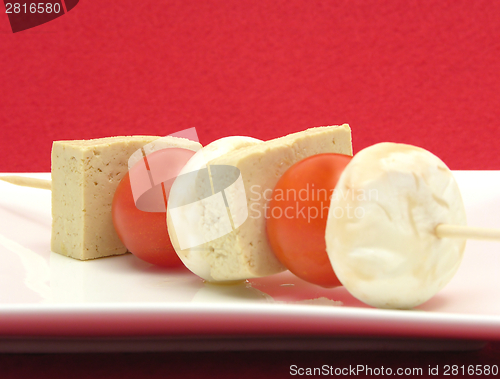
(297, 215)
(144, 233)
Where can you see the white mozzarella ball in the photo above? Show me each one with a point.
(380, 232)
(185, 189)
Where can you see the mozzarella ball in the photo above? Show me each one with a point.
(380, 234)
(203, 220)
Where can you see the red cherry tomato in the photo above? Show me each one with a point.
(143, 233)
(141, 223)
(297, 215)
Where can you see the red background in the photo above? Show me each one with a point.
(419, 72)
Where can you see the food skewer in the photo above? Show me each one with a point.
(399, 263)
(27, 182)
(442, 230)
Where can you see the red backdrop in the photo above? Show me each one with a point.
(419, 72)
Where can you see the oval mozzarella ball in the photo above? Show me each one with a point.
(380, 231)
(184, 189)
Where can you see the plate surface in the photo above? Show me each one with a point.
(47, 296)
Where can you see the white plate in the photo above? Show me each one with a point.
(49, 302)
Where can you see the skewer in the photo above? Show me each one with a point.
(28, 182)
(468, 232)
(442, 230)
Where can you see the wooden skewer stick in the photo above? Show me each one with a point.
(468, 232)
(28, 182)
